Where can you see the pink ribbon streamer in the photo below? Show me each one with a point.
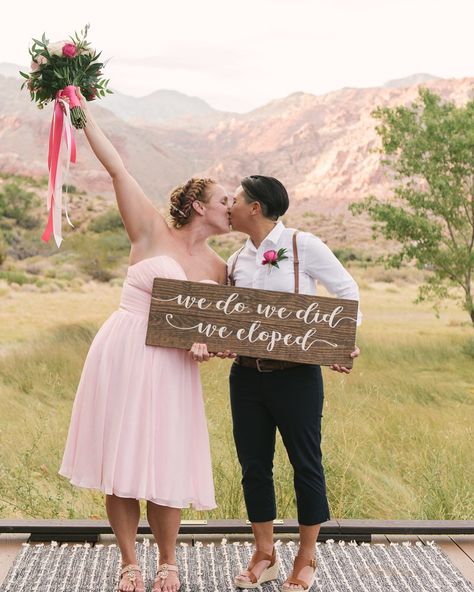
(61, 127)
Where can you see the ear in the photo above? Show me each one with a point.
(255, 208)
(198, 207)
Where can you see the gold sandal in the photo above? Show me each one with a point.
(163, 572)
(299, 564)
(269, 573)
(130, 571)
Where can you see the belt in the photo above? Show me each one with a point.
(263, 365)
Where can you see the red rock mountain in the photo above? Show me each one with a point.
(321, 147)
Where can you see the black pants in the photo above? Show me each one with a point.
(292, 401)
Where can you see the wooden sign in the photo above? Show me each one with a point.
(257, 323)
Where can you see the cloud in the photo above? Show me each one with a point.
(238, 55)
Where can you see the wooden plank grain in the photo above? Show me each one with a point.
(10, 546)
(258, 323)
(403, 538)
(466, 543)
(454, 553)
(379, 539)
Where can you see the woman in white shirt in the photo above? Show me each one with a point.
(267, 395)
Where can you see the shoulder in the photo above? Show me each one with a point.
(305, 238)
(219, 267)
(314, 251)
(216, 259)
(289, 231)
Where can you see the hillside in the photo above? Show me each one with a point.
(323, 148)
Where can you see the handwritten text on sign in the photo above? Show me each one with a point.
(257, 323)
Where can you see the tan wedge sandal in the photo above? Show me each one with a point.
(269, 573)
(299, 564)
(162, 573)
(130, 571)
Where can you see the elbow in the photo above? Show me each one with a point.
(116, 172)
(349, 291)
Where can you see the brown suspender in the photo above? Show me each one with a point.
(296, 265)
(231, 274)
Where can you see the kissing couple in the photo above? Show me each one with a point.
(138, 428)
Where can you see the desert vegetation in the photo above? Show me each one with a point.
(397, 432)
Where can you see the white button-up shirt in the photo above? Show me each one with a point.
(317, 263)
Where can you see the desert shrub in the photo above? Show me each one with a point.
(344, 255)
(99, 254)
(16, 203)
(3, 249)
(15, 277)
(110, 220)
(32, 181)
(385, 277)
(73, 189)
(22, 243)
(224, 245)
(468, 348)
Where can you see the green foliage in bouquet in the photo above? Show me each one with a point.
(60, 64)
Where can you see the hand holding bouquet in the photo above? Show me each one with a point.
(58, 67)
(56, 70)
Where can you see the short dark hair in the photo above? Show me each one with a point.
(269, 192)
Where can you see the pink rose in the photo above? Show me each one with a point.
(270, 257)
(69, 50)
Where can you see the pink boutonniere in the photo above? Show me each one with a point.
(274, 257)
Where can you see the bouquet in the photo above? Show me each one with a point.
(56, 70)
(58, 67)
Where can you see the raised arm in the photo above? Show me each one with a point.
(141, 219)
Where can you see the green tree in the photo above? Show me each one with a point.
(429, 146)
(17, 204)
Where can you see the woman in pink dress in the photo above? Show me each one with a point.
(138, 429)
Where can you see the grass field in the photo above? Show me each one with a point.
(397, 435)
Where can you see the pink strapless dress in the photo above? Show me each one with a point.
(138, 427)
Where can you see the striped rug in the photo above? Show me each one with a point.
(342, 567)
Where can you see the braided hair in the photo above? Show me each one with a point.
(183, 197)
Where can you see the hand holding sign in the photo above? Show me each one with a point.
(257, 323)
(343, 369)
(200, 353)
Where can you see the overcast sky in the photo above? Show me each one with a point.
(239, 55)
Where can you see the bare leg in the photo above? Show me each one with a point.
(308, 538)
(124, 515)
(164, 523)
(263, 533)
